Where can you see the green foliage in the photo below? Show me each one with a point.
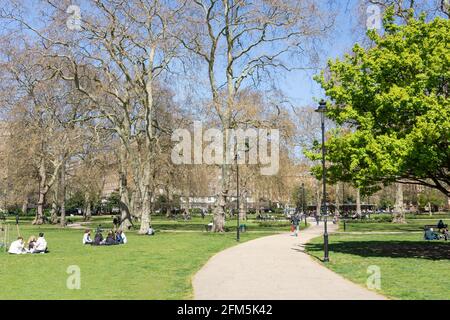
(113, 201)
(392, 103)
(75, 201)
(375, 219)
(297, 196)
(433, 197)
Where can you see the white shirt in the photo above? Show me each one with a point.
(86, 238)
(41, 244)
(124, 237)
(16, 247)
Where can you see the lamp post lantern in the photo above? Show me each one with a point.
(322, 109)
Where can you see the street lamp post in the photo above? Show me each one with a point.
(322, 109)
(238, 236)
(303, 201)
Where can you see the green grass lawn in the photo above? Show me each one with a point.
(159, 267)
(411, 268)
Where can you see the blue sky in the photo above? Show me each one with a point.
(299, 85)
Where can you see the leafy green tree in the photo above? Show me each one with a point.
(391, 103)
(75, 201)
(113, 201)
(297, 196)
(431, 197)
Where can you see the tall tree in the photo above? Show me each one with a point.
(239, 42)
(393, 100)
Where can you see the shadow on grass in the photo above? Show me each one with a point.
(364, 227)
(388, 249)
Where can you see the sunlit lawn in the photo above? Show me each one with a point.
(411, 268)
(158, 267)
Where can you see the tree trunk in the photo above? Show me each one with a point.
(242, 212)
(88, 214)
(220, 210)
(358, 202)
(258, 204)
(243, 207)
(63, 194)
(219, 214)
(399, 212)
(54, 210)
(124, 205)
(39, 219)
(337, 213)
(54, 213)
(170, 203)
(319, 199)
(429, 209)
(43, 189)
(25, 206)
(145, 212)
(87, 207)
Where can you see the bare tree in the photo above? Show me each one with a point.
(239, 43)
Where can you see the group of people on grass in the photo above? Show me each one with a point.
(113, 238)
(442, 233)
(33, 245)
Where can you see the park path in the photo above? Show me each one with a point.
(276, 268)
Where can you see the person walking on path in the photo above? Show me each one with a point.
(295, 224)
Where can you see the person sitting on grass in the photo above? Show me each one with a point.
(121, 238)
(99, 229)
(151, 231)
(110, 238)
(431, 235)
(87, 237)
(118, 237)
(98, 239)
(31, 244)
(440, 225)
(17, 247)
(445, 233)
(41, 244)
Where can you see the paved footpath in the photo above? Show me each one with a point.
(275, 268)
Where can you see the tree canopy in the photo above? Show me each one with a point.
(391, 103)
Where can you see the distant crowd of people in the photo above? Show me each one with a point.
(112, 238)
(33, 245)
